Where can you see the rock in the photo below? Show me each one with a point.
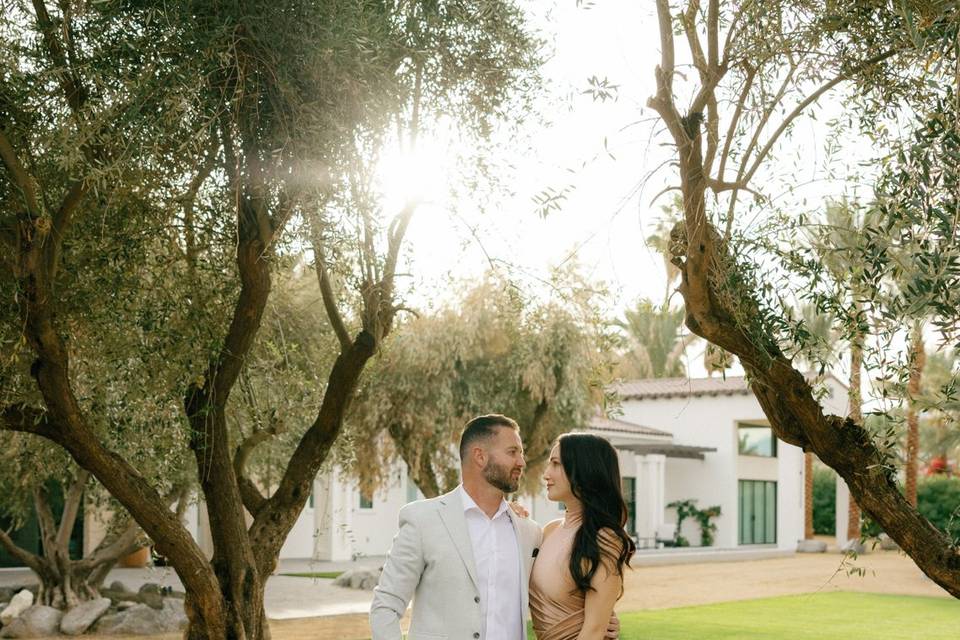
(6, 593)
(38, 620)
(123, 605)
(811, 546)
(80, 618)
(150, 587)
(116, 585)
(887, 543)
(358, 579)
(853, 546)
(151, 599)
(18, 604)
(141, 619)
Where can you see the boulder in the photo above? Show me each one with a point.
(19, 603)
(151, 599)
(116, 585)
(887, 543)
(358, 579)
(141, 619)
(80, 618)
(854, 546)
(38, 620)
(150, 587)
(811, 546)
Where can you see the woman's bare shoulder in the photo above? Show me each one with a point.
(551, 526)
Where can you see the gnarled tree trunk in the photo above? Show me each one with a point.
(66, 582)
(918, 358)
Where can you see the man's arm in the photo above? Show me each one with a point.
(400, 577)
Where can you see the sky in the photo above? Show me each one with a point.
(611, 158)
(600, 225)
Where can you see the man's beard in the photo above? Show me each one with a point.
(501, 477)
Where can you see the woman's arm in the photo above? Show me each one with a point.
(607, 585)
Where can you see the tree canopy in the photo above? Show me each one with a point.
(161, 163)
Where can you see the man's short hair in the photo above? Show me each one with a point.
(483, 428)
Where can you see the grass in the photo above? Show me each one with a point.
(820, 616)
(326, 575)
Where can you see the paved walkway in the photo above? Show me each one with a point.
(286, 597)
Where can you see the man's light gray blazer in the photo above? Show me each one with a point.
(431, 561)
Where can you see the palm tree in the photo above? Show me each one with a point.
(839, 246)
(917, 361)
(657, 341)
(820, 349)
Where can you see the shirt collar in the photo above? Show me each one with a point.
(469, 503)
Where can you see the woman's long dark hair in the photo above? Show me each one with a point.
(593, 470)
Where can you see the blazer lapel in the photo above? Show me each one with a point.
(453, 519)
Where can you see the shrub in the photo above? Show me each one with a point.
(824, 501)
(938, 499)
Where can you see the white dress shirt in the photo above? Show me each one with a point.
(496, 553)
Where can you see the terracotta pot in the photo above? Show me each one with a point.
(137, 559)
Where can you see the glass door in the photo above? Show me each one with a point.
(758, 512)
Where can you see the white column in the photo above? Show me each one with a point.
(333, 514)
(650, 494)
(842, 513)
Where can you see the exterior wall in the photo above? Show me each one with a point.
(338, 529)
(333, 525)
(711, 421)
(94, 527)
(700, 421)
(374, 528)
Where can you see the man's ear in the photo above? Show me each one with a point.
(479, 455)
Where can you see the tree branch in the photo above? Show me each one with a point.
(751, 73)
(26, 419)
(70, 83)
(112, 549)
(28, 559)
(48, 524)
(21, 178)
(252, 498)
(813, 97)
(71, 506)
(326, 291)
(61, 221)
(662, 102)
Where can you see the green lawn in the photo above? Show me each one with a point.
(326, 575)
(821, 616)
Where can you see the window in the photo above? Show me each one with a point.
(758, 512)
(366, 500)
(412, 491)
(756, 440)
(630, 497)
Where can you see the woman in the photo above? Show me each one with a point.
(578, 575)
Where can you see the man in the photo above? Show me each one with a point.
(464, 557)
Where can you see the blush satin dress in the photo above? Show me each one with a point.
(556, 605)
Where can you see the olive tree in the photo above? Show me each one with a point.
(190, 148)
(756, 68)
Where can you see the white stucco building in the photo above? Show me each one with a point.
(679, 438)
(704, 439)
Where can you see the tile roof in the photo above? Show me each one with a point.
(681, 387)
(600, 423)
